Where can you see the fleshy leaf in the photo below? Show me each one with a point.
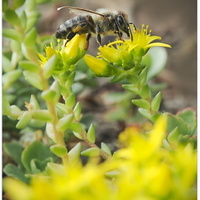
(14, 171)
(37, 151)
(43, 115)
(74, 153)
(64, 122)
(24, 120)
(77, 111)
(142, 103)
(91, 152)
(58, 150)
(106, 148)
(91, 134)
(155, 104)
(29, 66)
(49, 66)
(14, 150)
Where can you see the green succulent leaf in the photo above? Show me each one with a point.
(14, 150)
(91, 134)
(155, 104)
(77, 129)
(173, 136)
(49, 66)
(189, 117)
(12, 34)
(29, 66)
(77, 111)
(36, 151)
(49, 95)
(74, 153)
(146, 113)
(175, 121)
(105, 148)
(17, 3)
(15, 112)
(34, 79)
(30, 38)
(34, 103)
(24, 120)
(14, 171)
(143, 76)
(142, 103)
(10, 77)
(91, 152)
(6, 64)
(34, 167)
(64, 122)
(5, 106)
(131, 88)
(11, 17)
(70, 101)
(145, 92)
(58, 150)
(43, 115)
(62, 108)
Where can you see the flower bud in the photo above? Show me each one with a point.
(98, 66)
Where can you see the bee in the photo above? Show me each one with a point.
(99, 22)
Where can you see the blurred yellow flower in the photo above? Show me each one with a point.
(142, 170)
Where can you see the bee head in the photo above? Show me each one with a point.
(122, 22)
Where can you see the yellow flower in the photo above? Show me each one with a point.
(74, 49)
(142, 146)
(98, 66)
(128, 53)
(142, 41)
(142, 170)
(49, 52)
(145, 171)
(69, 53)
(118, 56)
(19, 191)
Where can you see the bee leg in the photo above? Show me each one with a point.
(117, 31)
(88, 38)
(69, 37)
(98, 38)
(131, 25)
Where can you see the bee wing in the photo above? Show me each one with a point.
(81, 11)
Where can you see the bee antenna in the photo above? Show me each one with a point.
(62, 7)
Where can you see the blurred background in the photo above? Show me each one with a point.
(174, 21)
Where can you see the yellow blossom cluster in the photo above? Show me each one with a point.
(69, 53)
(123, 54)
(143, 170)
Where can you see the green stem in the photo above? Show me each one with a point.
(52, 109)
(102, 153)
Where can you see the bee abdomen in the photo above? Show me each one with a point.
(78, 24)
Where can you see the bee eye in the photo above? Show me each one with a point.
(120, 20)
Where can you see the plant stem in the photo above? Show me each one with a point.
(102, 153)
(52, 109)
